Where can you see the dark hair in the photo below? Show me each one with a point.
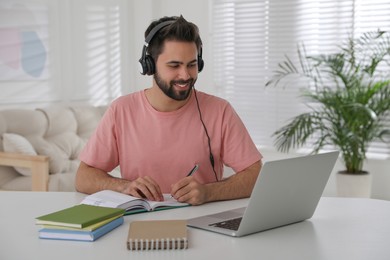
(180, 30)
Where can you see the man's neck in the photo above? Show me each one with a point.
(161, 102)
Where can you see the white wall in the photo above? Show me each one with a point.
(68, 30)
(82, 46)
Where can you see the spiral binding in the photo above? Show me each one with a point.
(154, 244)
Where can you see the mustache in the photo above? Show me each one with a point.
(188, 81)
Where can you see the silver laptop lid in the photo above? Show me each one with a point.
(286, 191)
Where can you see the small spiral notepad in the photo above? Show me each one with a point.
(157, 234)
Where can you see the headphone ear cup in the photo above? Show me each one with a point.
(146, 65)
(142, 66)
(200, 64)
(150, 67)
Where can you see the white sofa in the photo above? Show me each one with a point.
(39, 148)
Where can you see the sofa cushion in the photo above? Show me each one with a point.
(61, 141)
(57, 131)
(23, 122)
(87, 118)
(14, 143)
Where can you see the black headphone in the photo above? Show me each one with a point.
(146, 62)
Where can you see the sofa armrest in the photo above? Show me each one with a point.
(38, 164)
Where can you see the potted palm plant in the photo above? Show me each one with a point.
(348, 96)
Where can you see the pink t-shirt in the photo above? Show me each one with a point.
(167, 145)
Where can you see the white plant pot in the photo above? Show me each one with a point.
(354, 185)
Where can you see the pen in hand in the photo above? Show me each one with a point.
(193, 170)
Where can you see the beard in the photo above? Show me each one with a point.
(170, 90)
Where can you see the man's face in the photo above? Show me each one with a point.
(177, 69)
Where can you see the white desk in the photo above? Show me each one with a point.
(340, 229)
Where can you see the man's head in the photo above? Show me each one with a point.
(174, 55)
(178, 30)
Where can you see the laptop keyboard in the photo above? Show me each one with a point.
(231, 224)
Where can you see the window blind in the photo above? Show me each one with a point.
(97, 48)
(250, 37)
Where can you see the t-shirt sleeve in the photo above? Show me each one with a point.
(239, 150)
(101, 150)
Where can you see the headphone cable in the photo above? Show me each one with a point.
(211, 157)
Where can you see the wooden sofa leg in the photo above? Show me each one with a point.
(40, 176)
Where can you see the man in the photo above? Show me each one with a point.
(159, 134)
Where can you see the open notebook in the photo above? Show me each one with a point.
(132, 205)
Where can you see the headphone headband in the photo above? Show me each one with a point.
(157, 28)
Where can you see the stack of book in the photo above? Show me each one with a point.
(81, 222)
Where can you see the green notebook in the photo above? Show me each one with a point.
(79, 216)
(88, 228)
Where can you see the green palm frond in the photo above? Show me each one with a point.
(350, 102)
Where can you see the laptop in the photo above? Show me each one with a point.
(287, 191)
